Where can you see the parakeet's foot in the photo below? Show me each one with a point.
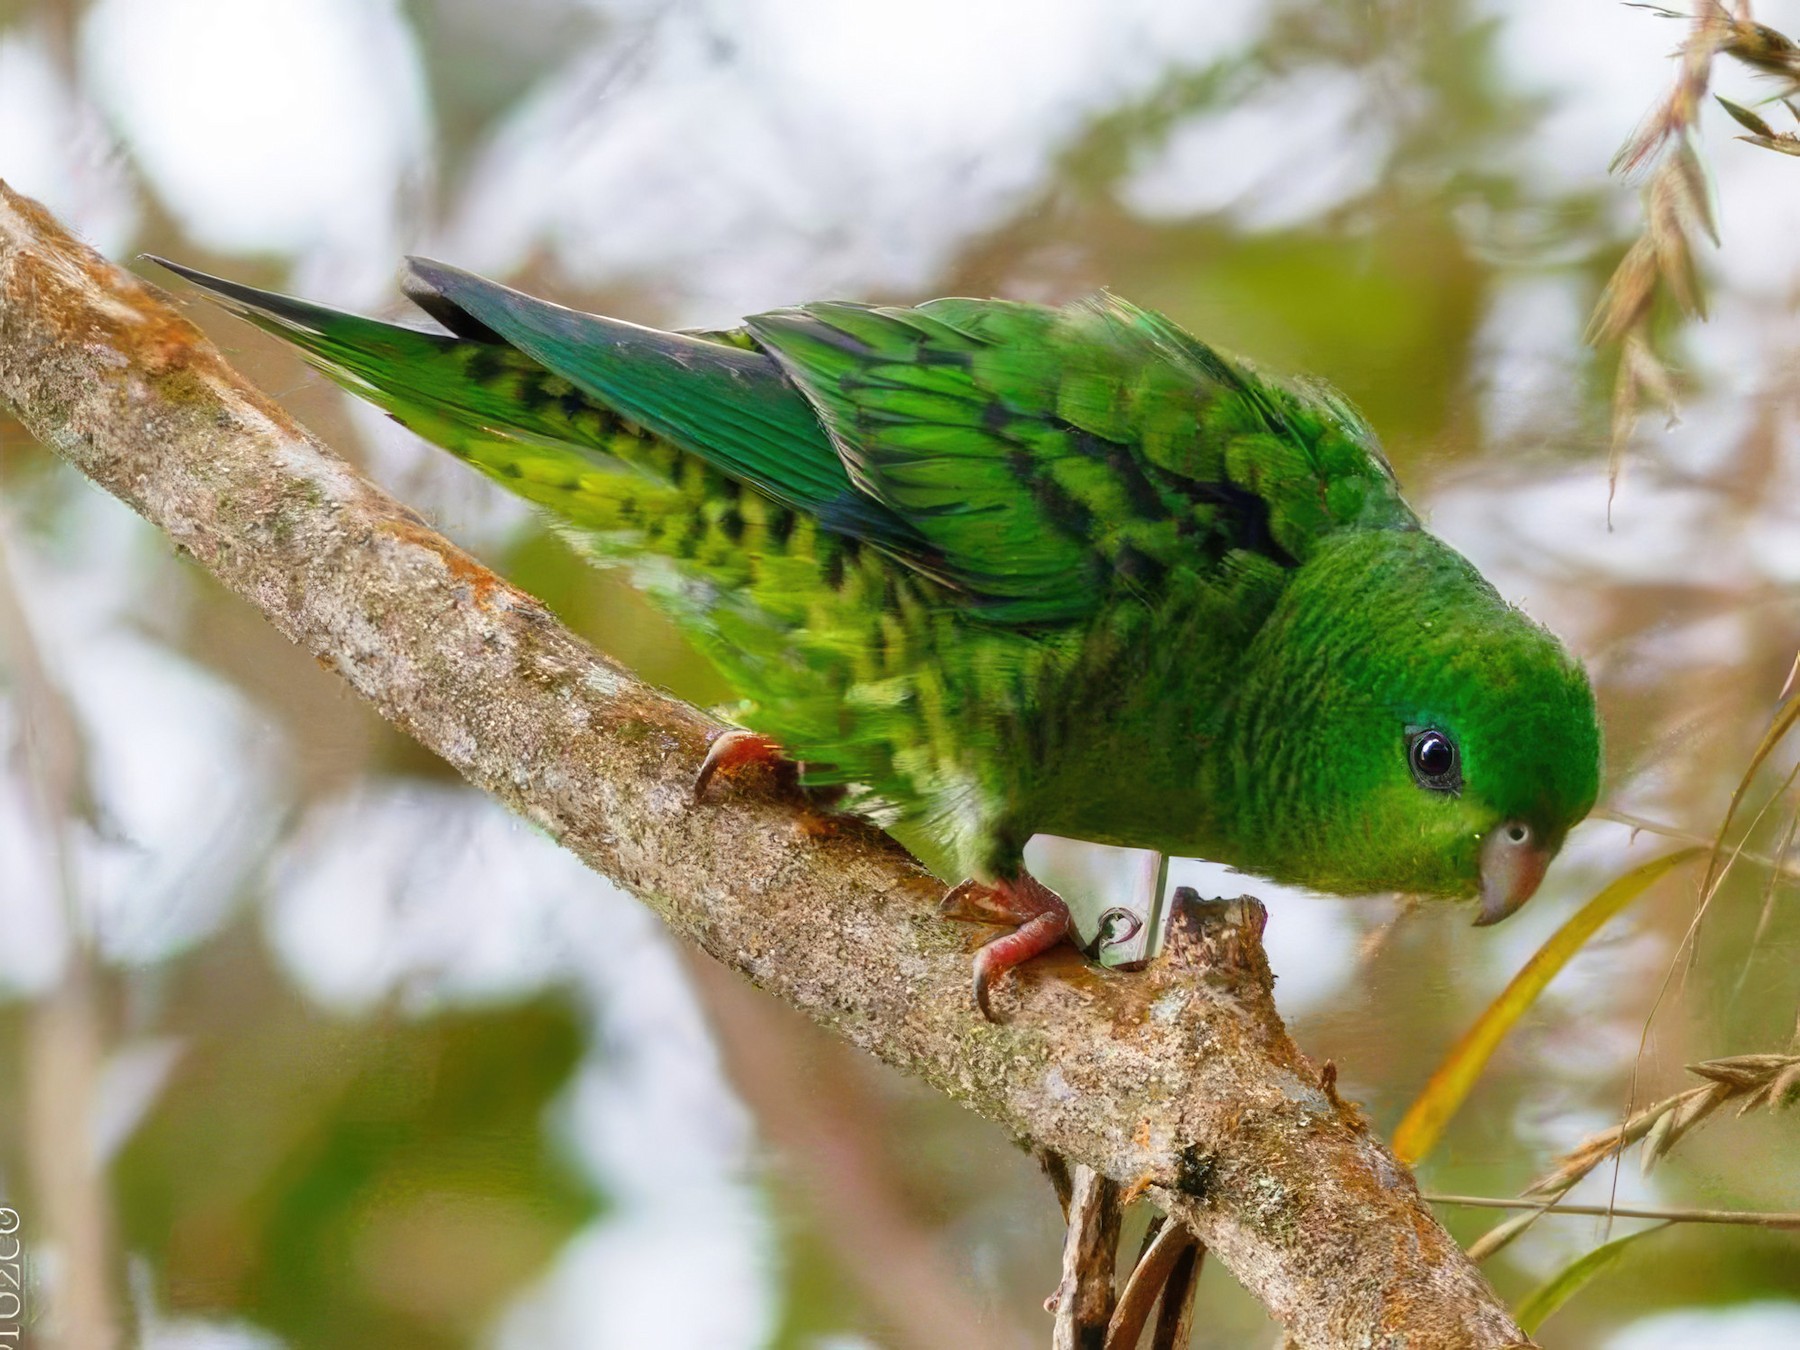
(1039, 912)
(731, 751)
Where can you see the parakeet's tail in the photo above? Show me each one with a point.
(484, 401)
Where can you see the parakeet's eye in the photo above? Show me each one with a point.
(1435, 762)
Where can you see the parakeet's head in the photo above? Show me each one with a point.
(1406, 729)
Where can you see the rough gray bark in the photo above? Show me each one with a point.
(1181, 1078)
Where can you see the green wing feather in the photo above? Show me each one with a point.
(1057, 457)
(485, 402)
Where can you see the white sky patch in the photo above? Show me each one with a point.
(1530, 356)
(198, 1333)
(186, 780)
(762, 154)
(1603, 66)
(130, 1082)
(1519, 529)
(57, 149)
(187, 784)
(1756, 204)
(1766, 1325)
(1759, 216)
(413, 884)
(630, 1281)
(1292, 151)
(279, 126)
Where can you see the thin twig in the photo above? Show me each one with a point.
(1147, 1281)
(1055, 1168)
(1084, 1300)
(1780, 866)
(1741, 1217)
(1175, 1315)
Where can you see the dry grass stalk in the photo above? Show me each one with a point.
(1771, 889)
(1677, 206)
(1776, 863)
(1761, 133)
(1752, 1081)
(1175, 1316)
(1713, 31)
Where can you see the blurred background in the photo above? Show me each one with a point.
(365, 1061)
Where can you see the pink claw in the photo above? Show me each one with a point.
(730, 751)
(1039, 912)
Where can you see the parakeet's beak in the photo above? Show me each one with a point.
(1513, 861)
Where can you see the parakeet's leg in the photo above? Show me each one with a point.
(1039, 912)
(732, 750)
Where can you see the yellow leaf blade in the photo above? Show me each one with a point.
(1779, 726)
(1425, 1120)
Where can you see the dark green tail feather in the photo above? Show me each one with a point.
(485, 392)
(726, 402)
(541, 397)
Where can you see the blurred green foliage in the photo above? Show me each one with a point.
(368, 1181)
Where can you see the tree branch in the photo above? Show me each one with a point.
(1181, 1077)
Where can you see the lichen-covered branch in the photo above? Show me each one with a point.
(1181, 1077)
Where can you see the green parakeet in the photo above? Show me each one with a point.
(1000, 569)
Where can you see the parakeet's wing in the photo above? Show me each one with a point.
(1054, 457)
(1035, 460)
